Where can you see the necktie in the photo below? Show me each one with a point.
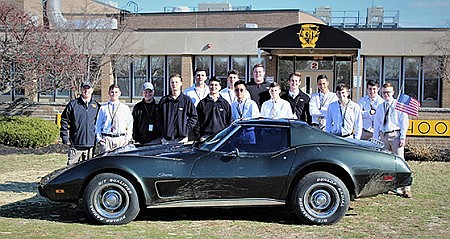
(386, 114)
(272, 111)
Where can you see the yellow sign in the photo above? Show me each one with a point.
(439, 128)
(309, 35)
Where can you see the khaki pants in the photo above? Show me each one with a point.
(366, 135)
(392, 141)
(111, 143)
(78, 155)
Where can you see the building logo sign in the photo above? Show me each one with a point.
(309, 35)
(439, 128)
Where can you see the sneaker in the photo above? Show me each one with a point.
(407, 192)
(398, 191)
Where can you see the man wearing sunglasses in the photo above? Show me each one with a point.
(243, 107)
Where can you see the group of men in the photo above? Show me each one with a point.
(204, 109)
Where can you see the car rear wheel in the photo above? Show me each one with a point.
(110, 199)
(320, 198)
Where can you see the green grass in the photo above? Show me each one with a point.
(24, 214)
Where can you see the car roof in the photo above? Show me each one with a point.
(268, 121)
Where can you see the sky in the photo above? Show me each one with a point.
(412, 13)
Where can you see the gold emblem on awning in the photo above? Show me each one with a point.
(309, 35)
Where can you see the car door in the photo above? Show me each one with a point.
(252, 163)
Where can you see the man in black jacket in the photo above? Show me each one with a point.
(258, 87)
(298, 99)
(214, 112)
(177, 113)
(78, 125)
(146, 127)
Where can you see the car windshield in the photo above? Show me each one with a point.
(213, 140)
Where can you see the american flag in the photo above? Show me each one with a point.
(407, 104)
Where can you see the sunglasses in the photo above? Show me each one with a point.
(239, 90)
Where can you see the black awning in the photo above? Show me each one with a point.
(308, 36)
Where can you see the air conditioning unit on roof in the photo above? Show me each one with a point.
(250, 25)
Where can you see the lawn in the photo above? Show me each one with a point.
(24, 214)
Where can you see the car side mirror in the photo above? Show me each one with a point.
(233, 153)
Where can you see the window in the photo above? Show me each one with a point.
(239, 63)
(372, 69)
(173, 67)
(285, 67)
(344, 70)
(203, 62)
(122, 75)
(392, 72)
(157, 74)
(253, 60)
(431, 81)
(257, 139)
(220, 67)
(139, 75)
(411, 72)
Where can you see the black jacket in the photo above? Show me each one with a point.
(213, 116)
(259, 93)
(299, 105)
(177, 116)
(144, 115)
(78, 119)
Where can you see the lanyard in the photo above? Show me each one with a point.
(229, 95)
(323, 100)
(113, 115)
(241, 112)
(345, 112)
(149, 114)
(198, 95)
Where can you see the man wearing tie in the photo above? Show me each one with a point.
(390, 127)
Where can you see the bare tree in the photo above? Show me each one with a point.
(100, 43)
(438, 64)
(31, 58)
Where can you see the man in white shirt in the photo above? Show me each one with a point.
(318, 105)
(369, 104)
(344, 116)
(114, 126)
(228, 92)
(390, 127)
(199, 90)
(276, 108)
(243, 107)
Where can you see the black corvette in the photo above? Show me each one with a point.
(256, 162)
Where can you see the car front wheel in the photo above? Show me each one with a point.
(110, 199)
(320, 198)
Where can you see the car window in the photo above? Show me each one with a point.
(212, 141)
(257, 139)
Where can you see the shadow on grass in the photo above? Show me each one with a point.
(41, 208)
(18, 187)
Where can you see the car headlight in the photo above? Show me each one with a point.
(52, 175)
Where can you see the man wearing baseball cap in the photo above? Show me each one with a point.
(78, 125)
(146, 128)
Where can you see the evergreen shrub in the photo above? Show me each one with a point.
(27, 132)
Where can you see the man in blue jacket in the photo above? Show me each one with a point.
(177, 113)
(78, 125)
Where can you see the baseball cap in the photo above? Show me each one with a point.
(86, 84)
(148, 86)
